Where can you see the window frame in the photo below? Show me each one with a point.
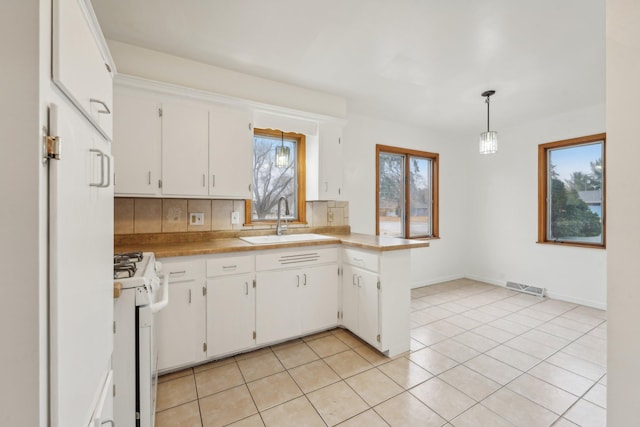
(435, 217)
(300, 176)
(543, 193)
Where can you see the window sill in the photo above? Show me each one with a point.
(572, 244)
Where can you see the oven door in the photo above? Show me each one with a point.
(148, 354)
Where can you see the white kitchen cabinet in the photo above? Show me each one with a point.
(296, 293)
(185, 149)
(230, 153)
(330, 162)
(376, 297)
(230, 304)
(81, 65)
(137, 137)
(181, 324)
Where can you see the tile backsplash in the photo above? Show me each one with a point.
(135, 215)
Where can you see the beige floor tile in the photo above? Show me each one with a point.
(405, 372)
(415, 345)
(571, 324)
(495, 334)
(591, 311)
(537, 314)
(454, 350)
(273, 390)
(336, 403)
(563, 422)
(348, 338)
(317, 335)
(286, 344)
(368, 418)
(423, 317)
(252, 354)
(553, 306)
(295, 355)
(407, 411)
(372, 356)
(513, 357)
(463, 322)
(252, 421)
(374, 386)
(476, 342)
(577, 365)
(172, 376)
(523, 320)
(512, 327)
(445, 328)
(218, 379)
(586, 414)
(519, 410)
(583, 317)
(437, 313)
(493, 369)
(524, 300)
(480, 416)
(327, 346)
(559, 331)
(480, 316)
(176, 392)
(530, 347)
(214, 364)
(295, 413)
(597, 395)
(258, 367)
(545, 338)
(432, 361)
(186, 415)
(542, 393)
(347, 363)
(469, 382)
(418, 304)
(566, 380)
(426, 335)
(313, 376)
(597, 356)
(446, 400)
(227, 407)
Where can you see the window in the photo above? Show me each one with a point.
(571, 191)
(406, 193)
(271, 182)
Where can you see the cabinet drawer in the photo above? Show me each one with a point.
(226, 265)
(180, 270)
(366, 260)
(276, 260)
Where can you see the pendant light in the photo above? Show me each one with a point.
(282, 154)
(488, 139)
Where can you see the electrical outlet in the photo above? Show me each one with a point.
(196, 218)
(235, 218)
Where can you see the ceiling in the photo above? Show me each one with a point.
(423, 62)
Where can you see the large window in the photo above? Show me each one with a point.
(271, 180)
(571, 191)
(406, 193)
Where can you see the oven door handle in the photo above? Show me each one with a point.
(157, 306)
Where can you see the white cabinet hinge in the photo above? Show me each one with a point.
(204, 291)
(159, 183)
(254, 285)
(254, 335)
(204, 346)
(114, 326)
(250, 126)
(159, 112)
(339, 190)
(114, 390)
(339, 140)
(338, 314)
(378, 283)
(378, 338)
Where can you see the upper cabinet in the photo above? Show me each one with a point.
(330, 162)
(81, 65)
(171, 146)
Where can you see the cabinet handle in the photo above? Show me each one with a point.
(106, 108)
(174, 273)
(229, 267)
(213, 180)
(357, 259)
(359, 285)
(246, 288)
(189, 296)
(249, 187)
(149, 177)
(305, 279)
(104, 183)
(298, 278)
(354, 279)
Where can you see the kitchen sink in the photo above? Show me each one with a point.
(285, 238)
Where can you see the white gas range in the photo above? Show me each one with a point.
(135, 354)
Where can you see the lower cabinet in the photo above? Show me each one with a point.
(181, 324)
(360, 303)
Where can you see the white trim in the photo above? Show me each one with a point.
(94, 26)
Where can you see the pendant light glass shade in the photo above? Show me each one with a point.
(488, 139)
(282, 154)
(489, 142)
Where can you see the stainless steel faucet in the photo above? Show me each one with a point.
(286, 212)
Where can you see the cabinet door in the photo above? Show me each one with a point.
(180, 326)
(350, 298)
(230, 314)
(368, 306)
(277, 309)
(136, 142)
(319, 298)
(185, 149)
(231, 154)
(330, 162)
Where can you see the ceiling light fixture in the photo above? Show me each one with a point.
(282, 154)
(488, 139)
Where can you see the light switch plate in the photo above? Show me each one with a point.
(235, 217)
(196, 218)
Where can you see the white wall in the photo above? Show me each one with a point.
(623, 205)
(23, 393)
(503, 215)
(443, 260)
